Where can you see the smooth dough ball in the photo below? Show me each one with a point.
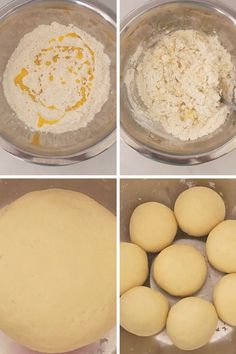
(57, 270)
(143, 311)
(224, 296)
(133, 266)
(221, 246)
(191, 323)
(180, 270)
(153, 226)
(198, 210)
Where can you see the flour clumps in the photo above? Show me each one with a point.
(180, 81)
(57, 79)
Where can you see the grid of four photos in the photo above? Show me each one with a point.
(117, 176)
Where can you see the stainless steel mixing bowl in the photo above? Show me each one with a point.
(104, 192)
(137, 191)
(142, 26)
(19, 17)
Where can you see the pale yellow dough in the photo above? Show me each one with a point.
(143, 311)
(198, 210)
(133, 266)
(191, 323)
(153, 226)
(57, 270)
(224, 295)
(221, 246)
(180, 270)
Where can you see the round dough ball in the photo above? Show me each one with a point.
(191, 323)
(198, 210)
(143, 311)
(221, 246)
(224, 296)
(153, 226)
(133, 266)
(57, 270)
(180, 270)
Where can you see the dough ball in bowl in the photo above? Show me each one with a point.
(224, 295)
(153, 226)
(180, 270)
(133, 266)
(57, 270)
(143, 311)
(221, 246)
(191, 323)
(198, 210)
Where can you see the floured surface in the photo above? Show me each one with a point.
(57, 79)
(179, 81)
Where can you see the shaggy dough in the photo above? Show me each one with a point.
(133, 266)
(221, 246)
(191, 323)
(198, 210)
(180, 270)
(143, 311)
(153, 226)
(224, 295)
(57, 270)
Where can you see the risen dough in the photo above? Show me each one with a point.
(152, 226)
(221, 246)
(57, 270)
(224, 295)
(143, 311)
(191, 323)
(133, 266)
(180, 270)
(198, 210)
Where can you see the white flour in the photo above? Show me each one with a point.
(57, 79)
(180, 80)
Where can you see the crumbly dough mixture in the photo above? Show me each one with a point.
(57, 79)
(180, 80)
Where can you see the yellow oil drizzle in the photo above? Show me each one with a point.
(67, 48)
(43, 121)
(36, 139)
(55, 58)
(52, 107)
(71, 34)
(47, 49)
(19, 82)
(91, 53)
(38, 60)
(90, 70)
(80, 102)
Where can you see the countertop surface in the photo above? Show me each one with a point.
(104, 164)
(132, 163)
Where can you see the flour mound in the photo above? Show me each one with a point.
(57, 79)
(180, 80)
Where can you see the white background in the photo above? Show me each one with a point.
(133, 163)
(104, 164)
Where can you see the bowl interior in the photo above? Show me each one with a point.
(15, 22)
(135, 192)
(143, 29)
